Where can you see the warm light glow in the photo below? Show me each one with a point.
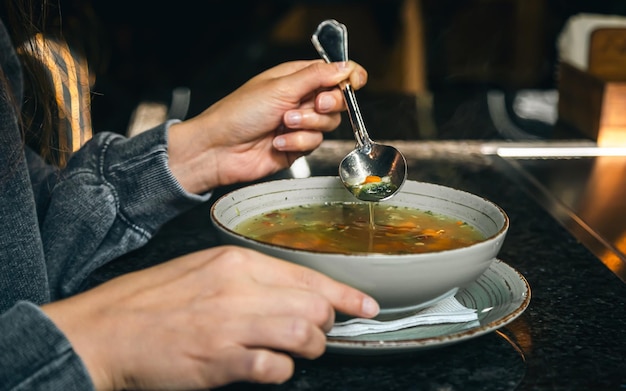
(612, 261)
(522, 152)
(600, 207)
(70, 79)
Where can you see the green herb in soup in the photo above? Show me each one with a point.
(373, 188)
(349, 228)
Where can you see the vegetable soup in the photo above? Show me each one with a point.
(350, 228)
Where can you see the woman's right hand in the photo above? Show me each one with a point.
(262, 126)
(204, 320)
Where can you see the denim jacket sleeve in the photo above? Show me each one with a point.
(113, 196)
(36, 355)
(59, 226)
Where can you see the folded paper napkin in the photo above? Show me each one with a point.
(448, 310)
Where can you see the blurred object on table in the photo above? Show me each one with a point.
(592, 77)
(524, 114)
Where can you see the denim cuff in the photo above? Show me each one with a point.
(35, 353)
(138, 169)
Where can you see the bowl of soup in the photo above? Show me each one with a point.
(408, 252)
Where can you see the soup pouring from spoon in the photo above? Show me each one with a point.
(372, 171)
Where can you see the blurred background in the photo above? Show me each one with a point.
(439, 69)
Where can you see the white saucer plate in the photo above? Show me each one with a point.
(500, 295)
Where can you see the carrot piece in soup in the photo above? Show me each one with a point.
(372, 179)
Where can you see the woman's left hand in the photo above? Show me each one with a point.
(263, 126)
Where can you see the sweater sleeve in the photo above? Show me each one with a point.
(113, 196)
(36, 355)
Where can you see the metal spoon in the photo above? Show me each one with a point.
(372, 171)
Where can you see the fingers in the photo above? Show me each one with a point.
(322, 114)
(267, 299)
(285, 333)
(262, 348)
(252, 365)
(286, 68)
(274, 272)
(311, 119)
(341, 296)
(308, 122)
(223, 314)
(358, 78)
(298, 141)
(319, 75)
(329, 101)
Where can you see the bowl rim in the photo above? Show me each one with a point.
(399, 257)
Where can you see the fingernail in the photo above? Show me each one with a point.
(362, 79)
(370, 307)
(341, 65)
(293, 118)
(326, 103)
(279, 142)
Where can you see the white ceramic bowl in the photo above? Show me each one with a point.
(398, 282)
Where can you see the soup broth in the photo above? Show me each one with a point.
(349, 228)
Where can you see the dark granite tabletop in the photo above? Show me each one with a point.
(572, 336)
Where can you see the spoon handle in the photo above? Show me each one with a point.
(331, 42)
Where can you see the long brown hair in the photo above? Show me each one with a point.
(35, 26)
(25, 20)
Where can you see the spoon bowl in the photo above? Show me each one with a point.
(360, 170)
(372, 171)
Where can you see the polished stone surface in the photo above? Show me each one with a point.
(571, 337)
(587, 195)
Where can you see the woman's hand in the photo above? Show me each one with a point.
(203, 320)
(263, 126)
